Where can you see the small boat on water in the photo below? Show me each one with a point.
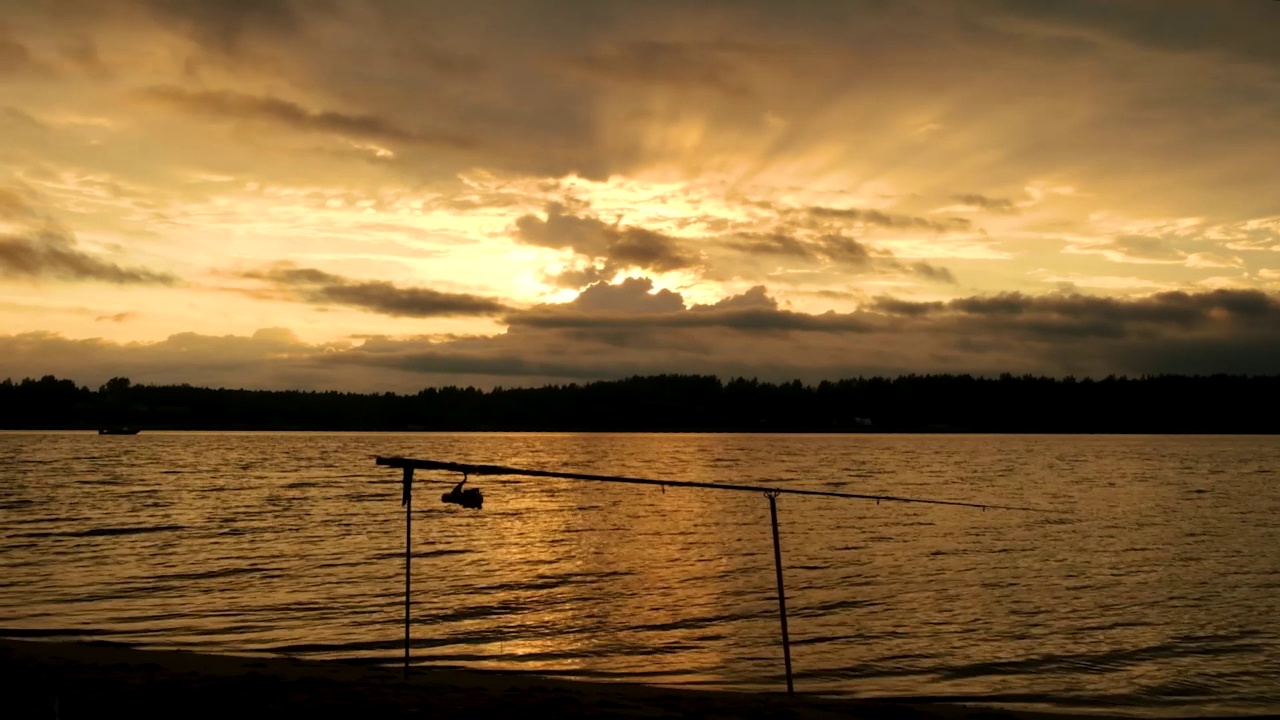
(118, 431)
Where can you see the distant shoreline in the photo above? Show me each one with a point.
(1161, 405)
(609, 431)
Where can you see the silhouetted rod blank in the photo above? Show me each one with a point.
(471, 498)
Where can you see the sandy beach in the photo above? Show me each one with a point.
(73, 680)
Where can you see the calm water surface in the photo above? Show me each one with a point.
(1155, 593)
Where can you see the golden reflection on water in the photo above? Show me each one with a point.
(1157, 588)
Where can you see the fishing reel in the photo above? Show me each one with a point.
(470, 498)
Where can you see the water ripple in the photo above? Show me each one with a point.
(1155, 592)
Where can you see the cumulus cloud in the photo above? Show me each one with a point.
(632, 295)
(322, 288)
(755, 298)
(632, 306)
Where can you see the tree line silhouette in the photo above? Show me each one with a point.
(910, 403)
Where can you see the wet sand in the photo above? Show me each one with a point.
(94, 679)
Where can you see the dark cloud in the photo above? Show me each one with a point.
(1003, 206)
(776, 243)
(1244, 30)
(894, 306)
(618, 247)
(15, 58)
(52, 254)
(444, 62)
(385, 298)
(1081, 315)
(833, 247)
(842, 251)
(876, 218)
(116, 318)
(932, 272)
(14, 120)
(318, 287)
(82, 54)
(222, 24)
(240, 106)
(637, 247)
(673, 64)
(42, 248)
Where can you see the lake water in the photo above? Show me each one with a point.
(1155, 592)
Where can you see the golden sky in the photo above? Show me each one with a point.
(385, 195)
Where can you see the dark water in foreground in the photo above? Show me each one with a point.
(1155, 594)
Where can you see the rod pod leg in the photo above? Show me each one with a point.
(408, 548)
(782, 593)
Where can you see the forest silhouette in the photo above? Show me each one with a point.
(678, 403)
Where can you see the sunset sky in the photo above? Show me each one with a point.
(383, 196)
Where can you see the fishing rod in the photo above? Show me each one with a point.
(473, 499)
(469, 470)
